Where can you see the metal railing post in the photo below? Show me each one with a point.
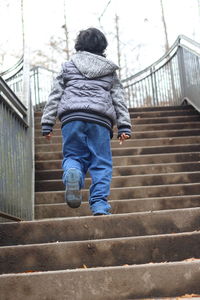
(182, 74)
(154, 86)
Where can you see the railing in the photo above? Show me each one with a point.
(174, 78)
(41, 84)
(14, 78)
(16, 145)
(41, 80)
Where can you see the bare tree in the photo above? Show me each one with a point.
(22, 22)
(105, 9)
(164, 26)
(198, 3)
(65, 27)
(51, 55)
(118, 43)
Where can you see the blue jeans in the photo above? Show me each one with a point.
(86, 146)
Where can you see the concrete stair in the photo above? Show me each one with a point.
(148, 247)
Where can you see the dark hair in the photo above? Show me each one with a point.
(91, 40)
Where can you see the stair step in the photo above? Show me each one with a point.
(129, 151)
(118, 206)
(127, 192)
(171, 120)
(124, 282)
(100, 253)
(131, 143)
(145, 127)
(135, 135)
(130, 170)
(138, 120)
(102, 227)
(151, 114)
(161, 126)
(127, 181)
(132, 160)
(148, 108)
(161, 108)
(145, 114)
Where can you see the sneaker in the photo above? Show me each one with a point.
(102, 214)
(72, 191)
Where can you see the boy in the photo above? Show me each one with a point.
(88, 98)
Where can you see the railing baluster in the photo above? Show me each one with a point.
(172, 78)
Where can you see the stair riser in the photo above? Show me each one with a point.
(144, 180)
(176, 126)
(71, 255)
(118, 207)
(127, 193)
(101, 227)
(132, 160)
(167, 113)
(161, 108)
(144, 127)
(132, 170)
(130, 143)
(135, 135)
(143, 109)
(131, 282)
(136, 121)
(152, 114)
(129, 151)
(173, 119)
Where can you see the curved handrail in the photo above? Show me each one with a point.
(168, 81)
(166, 56)
(16, 67)
(155, 63)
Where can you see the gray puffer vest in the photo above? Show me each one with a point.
(87, 89)
(91, 95)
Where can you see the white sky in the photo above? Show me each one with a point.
(139, 24)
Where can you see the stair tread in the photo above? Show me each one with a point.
(150, 155)
(128, 282)
(152, 124)
(135, 187)
(136, 131)
(90, 227)
(100, 252)
(128, 176)
(132, 166)
(124, 200)
(128, 148)
(101, 240)
(35, 222)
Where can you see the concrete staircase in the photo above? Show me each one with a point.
(149, 246)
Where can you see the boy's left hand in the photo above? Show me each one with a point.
(123, 137)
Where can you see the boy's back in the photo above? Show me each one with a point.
(88, 98)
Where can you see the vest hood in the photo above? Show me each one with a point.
(92, 65)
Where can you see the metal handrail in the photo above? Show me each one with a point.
(164, 82)
(17, 144)
(11, 99)
(153, 65)
(165, 56)
(14, 68)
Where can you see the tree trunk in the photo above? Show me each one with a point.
(164, 27)
(66, 31)
(118, 43)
